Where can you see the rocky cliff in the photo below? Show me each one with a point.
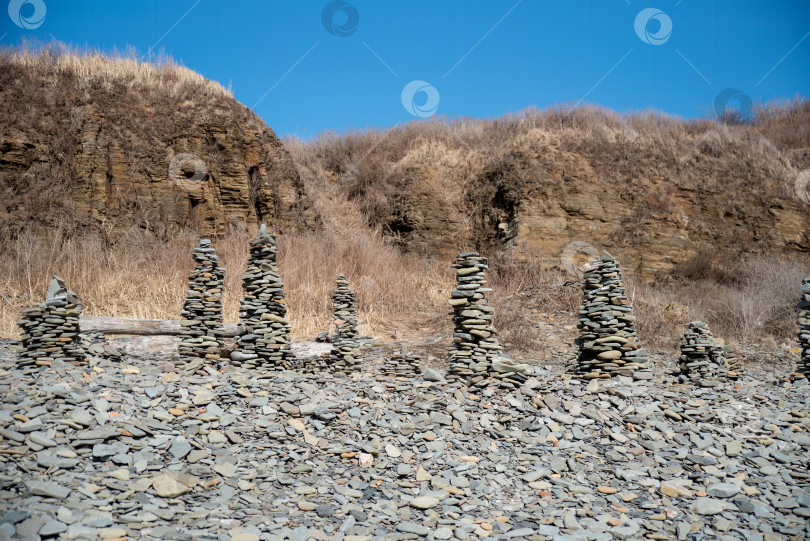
(90, 141)
(655, 191)
(93, 142)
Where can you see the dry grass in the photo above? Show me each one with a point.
(89, 67)
(140, 276)
(399, 295)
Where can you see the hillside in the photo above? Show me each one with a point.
(97, 141)
(88, 191)
(657, 191)
(108, 142)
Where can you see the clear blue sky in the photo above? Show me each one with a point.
(480, 58)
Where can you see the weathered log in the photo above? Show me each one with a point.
(140, 327)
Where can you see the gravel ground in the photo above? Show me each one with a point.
(138, 450)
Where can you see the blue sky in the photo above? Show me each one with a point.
(474, 58)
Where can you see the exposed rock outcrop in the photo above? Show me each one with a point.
(107, 143)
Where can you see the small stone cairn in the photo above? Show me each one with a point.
(95, 344)
(701, 358)
(608, 345)
(50, 330)
(734, 366)
(475, 339)
(264, 337)
(403, 364)
(345, 358)
(202, 311)
(803, 366)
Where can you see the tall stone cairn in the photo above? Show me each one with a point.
(264, 336)
(701, 358)
(345, 358)
(50, 330)
(202, 311)
(475, 339)
(608, 345)
(803, 366)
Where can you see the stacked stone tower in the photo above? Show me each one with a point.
(608, 345)
(202, 311)
(50, 330)
(475, 339)
(264, 336)
(701, 358)
(803, 366)
(345, 358)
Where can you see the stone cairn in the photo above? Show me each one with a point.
(701, 358)
(50, 330)
(263, 339)
(475, 339)
(345, 358)
(803, 366)
(734, 366)
(201, 340)
(403, 364)
(608, 345)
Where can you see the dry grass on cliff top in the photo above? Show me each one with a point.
(90, 66)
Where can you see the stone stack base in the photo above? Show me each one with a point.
(50, 330)
(475, 339)
(608, 345)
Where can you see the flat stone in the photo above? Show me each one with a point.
(49, 489)
(168, 487)
(723, 490)
(413, 527)
(244, 537)
(423, 502)
(707, 506)
(430, 374)
(180, 448)
(52, 527)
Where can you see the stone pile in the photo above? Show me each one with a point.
(508, 374)
(96, 344)
(403, 364)
(264, 337)
(475, 339)
(50, 330)
(734, 366)
(345, 358)
(608, 345)
(701, 358)
(202, 311)
(803, 366)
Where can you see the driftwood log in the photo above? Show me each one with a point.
(140, 327)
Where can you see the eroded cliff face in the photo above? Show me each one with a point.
(654, 217)
(654, 195)
(109, 153)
